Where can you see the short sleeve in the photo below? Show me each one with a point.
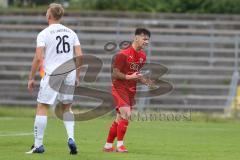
(119, 61)
(76, 40)
(40, 40)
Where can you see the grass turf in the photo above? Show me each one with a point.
(195, 140)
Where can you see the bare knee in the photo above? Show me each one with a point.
(66, 107)
(125, 113)
(42, 109)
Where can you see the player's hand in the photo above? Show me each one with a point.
(148, 82)
(134, 76)
(31, 84)
(151, 84)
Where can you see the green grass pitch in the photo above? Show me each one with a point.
(158, 140)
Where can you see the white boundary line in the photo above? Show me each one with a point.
(6, 118)
(15, 134)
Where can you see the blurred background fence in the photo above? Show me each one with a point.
(200, 51)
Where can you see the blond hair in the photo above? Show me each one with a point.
(56, 10)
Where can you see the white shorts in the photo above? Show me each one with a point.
(47, 95)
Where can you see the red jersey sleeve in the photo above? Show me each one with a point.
(119, 61)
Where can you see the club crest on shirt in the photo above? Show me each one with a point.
(134, 66)
(140, 60)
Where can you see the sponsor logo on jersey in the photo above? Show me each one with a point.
(134, 66)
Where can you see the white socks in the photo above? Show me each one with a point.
(119, 143)
(108, 145)
(39, 127)
(41, 123)
(68, 120)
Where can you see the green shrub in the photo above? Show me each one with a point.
(175, 6)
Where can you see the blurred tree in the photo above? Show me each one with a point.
(21, 3)
(177, 6)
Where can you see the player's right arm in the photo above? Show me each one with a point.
(38, 57)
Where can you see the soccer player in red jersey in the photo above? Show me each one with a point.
(126, 67)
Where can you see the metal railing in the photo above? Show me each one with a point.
(235, 76)
(211, 39)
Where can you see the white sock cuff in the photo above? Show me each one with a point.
(40, 119)
(119, 143)
(68, 116)
(108, 145)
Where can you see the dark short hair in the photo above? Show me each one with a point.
(144, 31)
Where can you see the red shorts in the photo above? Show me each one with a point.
(123, 98)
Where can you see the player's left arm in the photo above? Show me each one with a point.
(38, 57)
(146, 81)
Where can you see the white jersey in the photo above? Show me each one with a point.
(59, 42)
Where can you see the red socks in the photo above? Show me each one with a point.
(112, 132)
(117, 130)
(121, 129)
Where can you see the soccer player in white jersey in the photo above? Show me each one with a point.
(56, 44)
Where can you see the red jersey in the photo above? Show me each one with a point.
(128, 61)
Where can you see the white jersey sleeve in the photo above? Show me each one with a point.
(76, 40)
(41, 40)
